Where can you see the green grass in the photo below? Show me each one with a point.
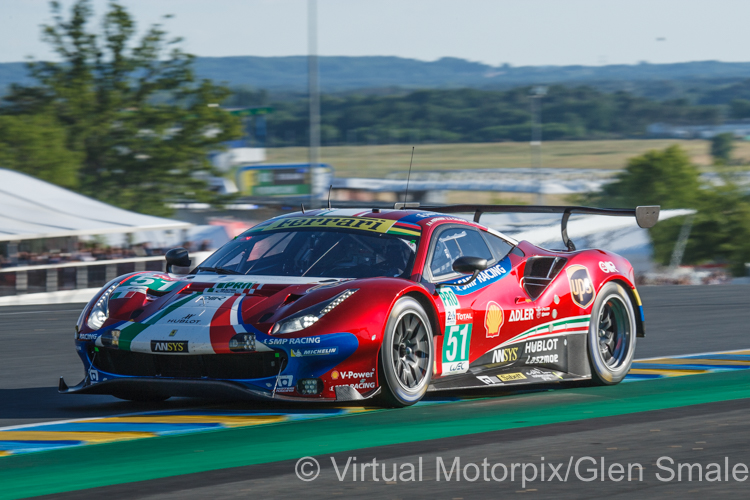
(378, 161)
(70, 469)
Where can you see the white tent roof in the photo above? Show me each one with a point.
(32, 209)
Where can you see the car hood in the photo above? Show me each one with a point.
(201, 313)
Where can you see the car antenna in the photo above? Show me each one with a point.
(302, 206)
(329, 196)
(408, 176)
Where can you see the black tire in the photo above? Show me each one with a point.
(612, 334)
(141, 397)
(406, 355)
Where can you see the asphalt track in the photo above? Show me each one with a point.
(617, 423)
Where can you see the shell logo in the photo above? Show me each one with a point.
(335, 375)
(494, 319)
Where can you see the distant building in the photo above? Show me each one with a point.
(740, 129)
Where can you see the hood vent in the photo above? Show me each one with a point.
(539, 273)
(291, 298)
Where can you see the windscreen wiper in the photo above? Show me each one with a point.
(217, 270)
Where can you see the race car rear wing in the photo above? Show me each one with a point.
(646, 216)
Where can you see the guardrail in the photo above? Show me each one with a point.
(23, 280)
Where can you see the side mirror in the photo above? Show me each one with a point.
(177, 257)
(466, 265)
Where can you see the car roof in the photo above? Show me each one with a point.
(405, 219)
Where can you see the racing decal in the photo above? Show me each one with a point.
(361, 385)
(323, 351)
(528, 348)
(638, 303)
(484, 279)
(488, 380)
(450, 303)
(544, 376)
(493, 320)
(357, 375)
(224, 324)
(361, 223)
(187, 319)
(539, 352)
(170, 346)
(509, 377)
(607, 267)
(456, 349)
(520, 315)
(505, 356)
(581, 286)
(566, 326)
(234, 287)
(405, 229)
(292, 341)
(542, 312)
(359, 380)
(153, 282)
(154, 318)
(438, 219)
(418, 217)
(285, 383)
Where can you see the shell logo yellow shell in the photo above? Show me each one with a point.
(494, 319)
(335, 375)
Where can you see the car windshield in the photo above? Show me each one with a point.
(329, 253)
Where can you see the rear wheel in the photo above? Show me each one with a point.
(611, 335)
(406, 355)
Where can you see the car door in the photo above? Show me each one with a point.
(471, 315)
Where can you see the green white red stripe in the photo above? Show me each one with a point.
(575, 325)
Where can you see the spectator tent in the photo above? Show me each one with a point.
(32, 209)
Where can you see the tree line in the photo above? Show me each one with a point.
(470, 115)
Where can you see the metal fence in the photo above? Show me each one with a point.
(72, 275)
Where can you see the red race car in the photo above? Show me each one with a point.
(346, 304)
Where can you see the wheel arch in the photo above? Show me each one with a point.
(635, 299)
(429, 308)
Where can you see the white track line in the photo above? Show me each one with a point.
(682, 356)
(31, 312)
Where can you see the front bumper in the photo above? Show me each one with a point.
(212, 389)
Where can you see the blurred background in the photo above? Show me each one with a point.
(131, 127)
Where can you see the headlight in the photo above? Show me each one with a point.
(100, 312)
(311, 315)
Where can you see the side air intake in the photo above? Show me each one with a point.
(539, 273)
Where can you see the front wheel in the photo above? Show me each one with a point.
(611, 335)
(406, 355)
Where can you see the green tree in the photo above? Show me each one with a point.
(721, 148)
(35, 145)
(721, 227)
(665, 178)
(132, 108)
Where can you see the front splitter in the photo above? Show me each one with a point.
(209, 389)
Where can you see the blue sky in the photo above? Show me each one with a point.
(519, 32)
